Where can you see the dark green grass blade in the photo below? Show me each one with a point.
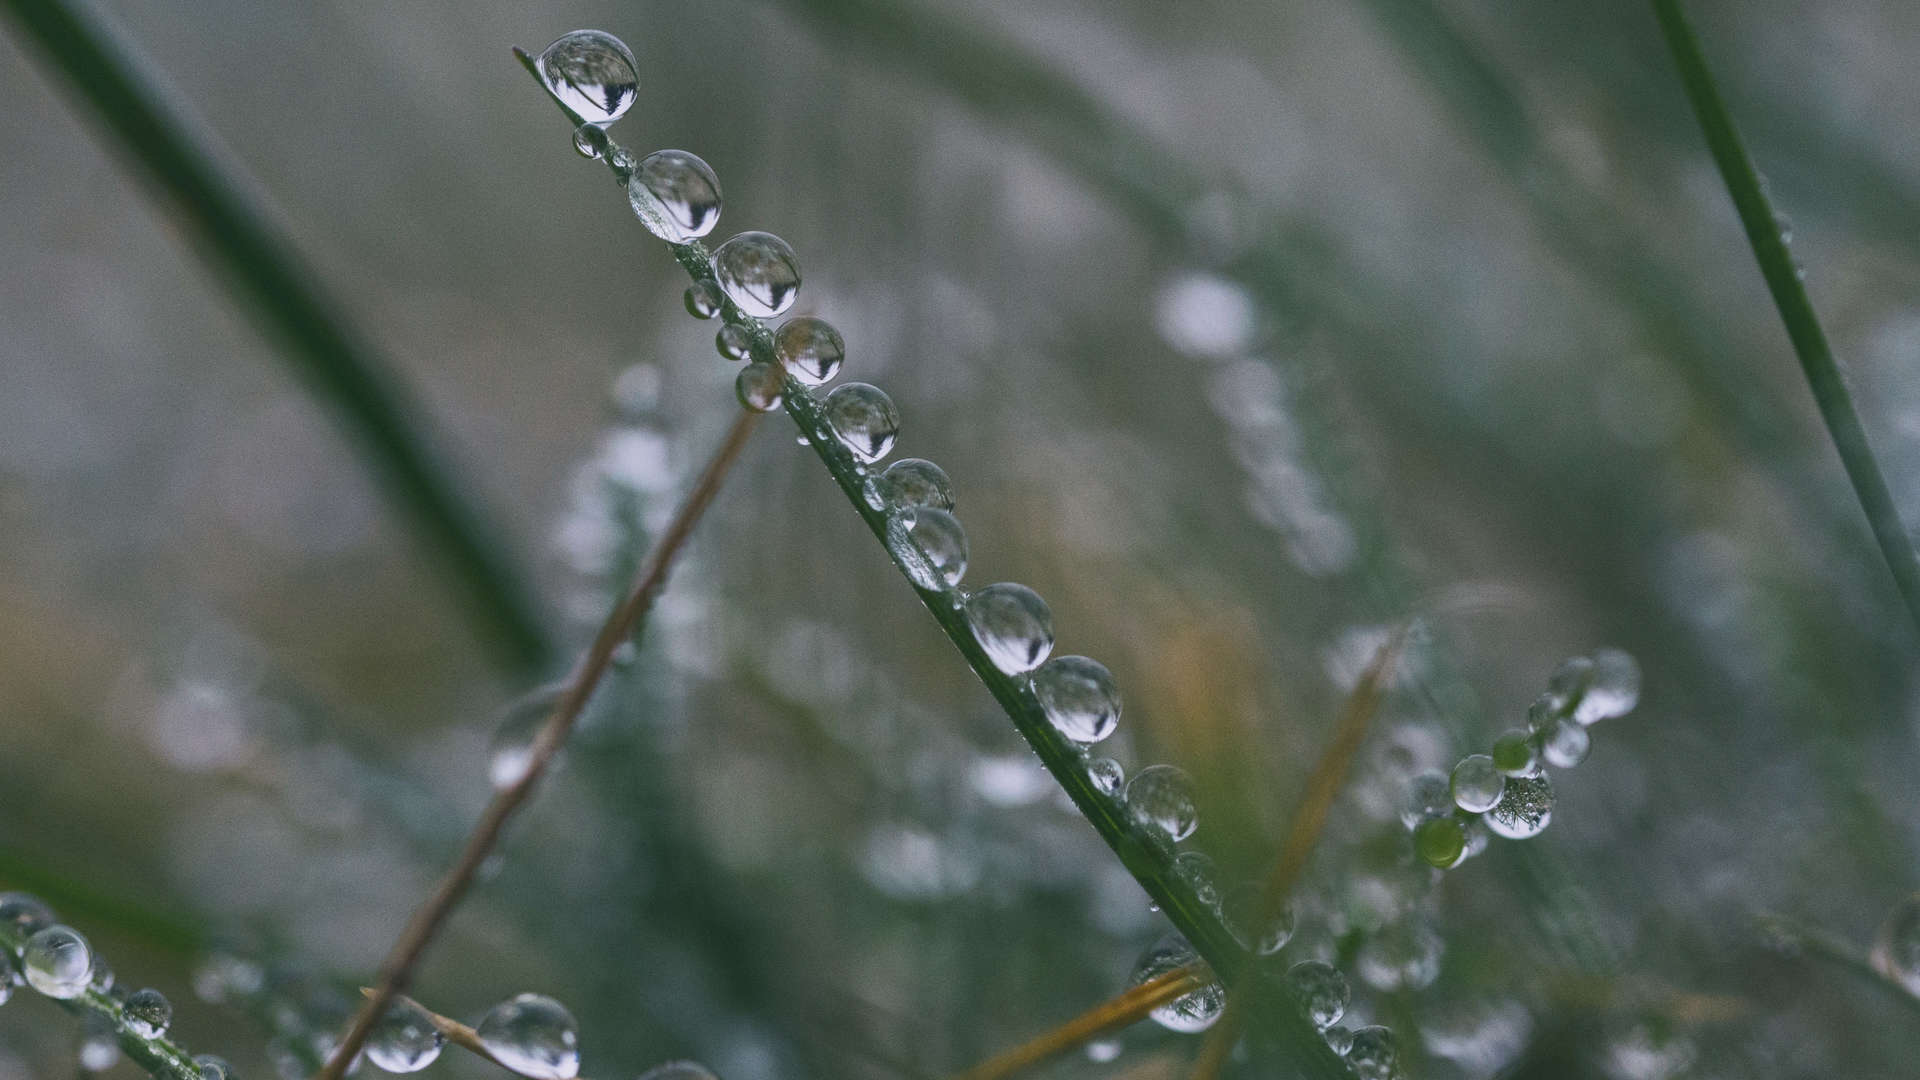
(261, 269)
(1790, 296)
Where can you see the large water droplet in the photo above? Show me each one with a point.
(916, 482)
(761, 386)
(1563, 743)
(1107, 776)
(1012, 624)
(25, 913)
(58, 962)
(1441, 842)
(1258, 926)
(759, 272)
(931, 546)
(510, 752)
(1524, 809)
(534, 1036)
(1615, 689)
(1476, 784)
(864, 420)
(810, 348)
(1896, 952)
(591, 72)
(1079, 696)
(675, 195)
(1372, 1055)
(1516, 754)
(1322, 990)
(147, 1012)
(405, 1039)
(1189, 1013)
(1160, 798)
(679, 1070)
(702, 299)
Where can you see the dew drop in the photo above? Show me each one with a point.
(864, 420)
(679, 1070)
(1253, 924)
(1563, 743)
(1476, 784)
(147, 1013)
(916, 482)
(58, 962)
(1012, 624)
(1525, 809)
(1107, 776)
(930, 545)
(25, 913)
(1079, 697)
(1197, 870)
(405, 1040)
(510, 752)
(622, 162)
(702, 299)
(1160, 799)
(591, 141)
(591, 72)
(1322, 990)
(1615, 689)
(1516, 754)
(214, 1067)
(810, 348)
(9, 977)
(1339, 1039)
(734, 342)
(675, 195)
(1568, 683)
(759, 271)
(1373, 1055)
(1192, 1012)
(1441, 842)
(1427, 797)
(761, 387)
(1896, 952)
(534, 1036)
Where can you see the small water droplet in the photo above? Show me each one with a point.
(916, 482)
(534, 1036)
(930, 546)
(1896, 951)
(1476, 783)
(25, 913)
(1101, 1051)
(1191, 1012)
(675, 195)
(1323, 992)
(1373, 1055)
(214, 1067)
(1196, 868)
(679, 1070)
(1339, 1039)
(147, 1012)
(759, 272)
(1107, 776)
(761, 386)
(1012, 624)
(734, 342)
(810, 348)
(1441, 842)
(702, 299)
(1516, 754)
(58, 962)
(1258, 926)
(864, 420)
(591, 141)
(510, 753)
(802, 440)
(1079, 697)
(1428, 796)
(1525, 809)
(1563, 743)
(1160, 798)
(622, 162)
(405, 1039)
(591, 72)
(1615, 689)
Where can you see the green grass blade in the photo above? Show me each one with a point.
(264, 274)
(1796, 310)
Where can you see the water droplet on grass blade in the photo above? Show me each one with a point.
(916, 482)
(1197, 870)
(1428, 796)
(702, 299)
(1373, 1055)
(1107, 776)
(214, 1067)
(675, 195)
(591, 141)
(1615, 689)
(1191, 1012)
(1160, 799)
(510, 752)
(759, 272)
(1525, 809)
(1079, 697)
(1441, 842)
(1012, 624)
(1476, 784)
(147, 1013)
(405, 1039)
(534, 1036)
(931, 546)
(591, 72)
(1563, 743)
(761, 387)
(58, 962)
(810, 348)
(733, 342)
(864, 420)
(1322, 990)
(1516, 754)
(26, 913)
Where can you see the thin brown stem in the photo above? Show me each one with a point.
(1323, 786)
(625, 620)
(1109, 1015)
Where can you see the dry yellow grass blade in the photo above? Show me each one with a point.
(1109, 1015)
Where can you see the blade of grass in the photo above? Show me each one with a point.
(261, 269)
(1148, 860)
(1790, 297)
(160, 1056)
(623, 622)
(1111, 1015)
(1826, 947)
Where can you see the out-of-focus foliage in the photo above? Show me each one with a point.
(1447, 316)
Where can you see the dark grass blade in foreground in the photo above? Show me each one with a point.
(261, 269)
(1796, 310)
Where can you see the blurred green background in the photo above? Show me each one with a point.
(1245, 331)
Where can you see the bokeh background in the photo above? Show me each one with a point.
(1247, 332)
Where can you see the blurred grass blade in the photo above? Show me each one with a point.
(1790, 296)
(1111, 1015)
(261, 269)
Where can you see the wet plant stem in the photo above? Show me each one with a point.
(626, 620)
(162, 1058)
